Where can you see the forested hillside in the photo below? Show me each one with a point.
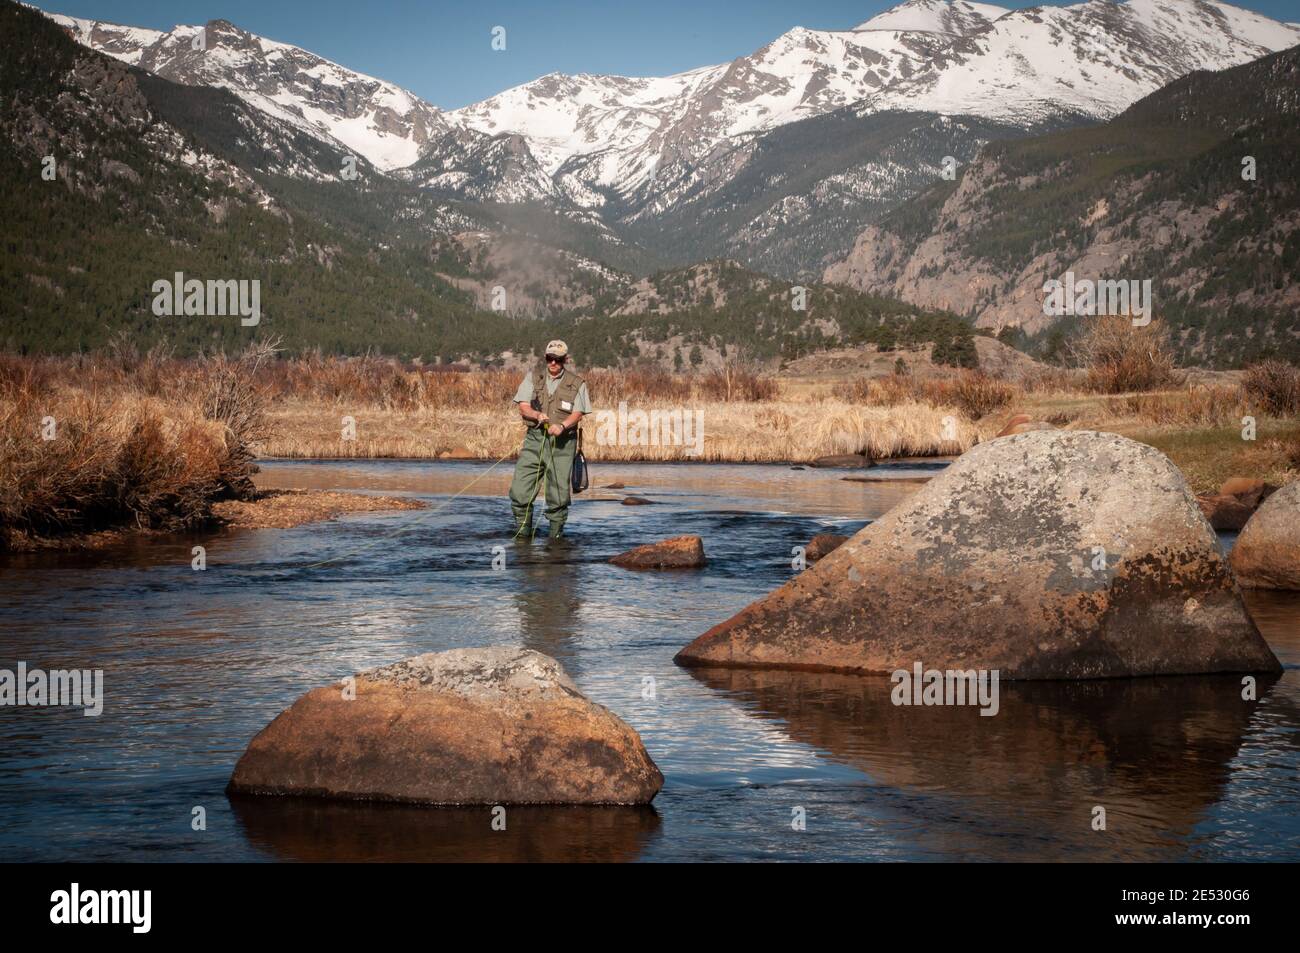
(148, 179)
(1193, 188)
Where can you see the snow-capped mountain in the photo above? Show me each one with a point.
(954, 17)
(362, 115)
(618, 133)
(647, 154)
(952, 58)
(600, 135)
(1095, 58)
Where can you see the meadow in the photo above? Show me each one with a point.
(120, 439)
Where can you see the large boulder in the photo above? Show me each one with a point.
(991, 566)
(1267, 553)
(680, 552)
(468, 726)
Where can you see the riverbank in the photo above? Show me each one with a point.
(1207, 445)
(100, 443)
(265, 509)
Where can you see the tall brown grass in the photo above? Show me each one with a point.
(1211, 406)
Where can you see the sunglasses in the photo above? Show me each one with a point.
(552, 359)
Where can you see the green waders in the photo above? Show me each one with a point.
(548, 458)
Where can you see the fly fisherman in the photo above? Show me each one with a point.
(552, 400)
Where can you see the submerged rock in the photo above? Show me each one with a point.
(823, 544)
(843, 460)
(680, 552)
(1235, 503)
(467, 726)
(1267, 553)
(1051, 554)
(1224, 512)
(637, 501)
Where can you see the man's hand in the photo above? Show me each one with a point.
(555, 430)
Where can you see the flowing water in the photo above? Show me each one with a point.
(195, 663)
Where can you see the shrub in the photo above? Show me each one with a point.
(974, 393)
(1119, 357)
(235, 400)
(977, 394)
(736, 382)
(1274, 386)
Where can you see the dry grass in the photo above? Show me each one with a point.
(119, 460)
(974, 394)
(83, 448)
(769, 431)
(1212, 406)
(152, 441)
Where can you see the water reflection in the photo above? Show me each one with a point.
(306, 829)
(1154, 752)
(546, 598)
(197, 663)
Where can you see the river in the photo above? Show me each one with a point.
(195, 663)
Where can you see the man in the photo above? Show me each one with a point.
(552, 400)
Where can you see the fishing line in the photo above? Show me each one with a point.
(541, 470)
(405, 526)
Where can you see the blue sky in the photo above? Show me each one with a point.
(442, 50)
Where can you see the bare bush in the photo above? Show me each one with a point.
(234, 398)
(737, 382)
(1274, 386)
(974, 393)
(1120, 358)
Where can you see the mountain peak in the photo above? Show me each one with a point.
(356, 113)
(950, 17)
